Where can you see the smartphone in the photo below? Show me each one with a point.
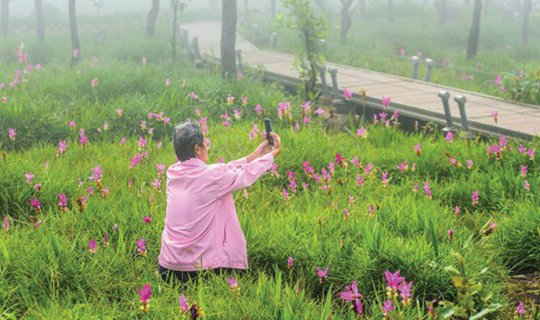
(268, 126)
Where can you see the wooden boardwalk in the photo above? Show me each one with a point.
(416, 98)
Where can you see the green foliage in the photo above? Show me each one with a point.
(313, 31)
(473, 301)
(523, 87)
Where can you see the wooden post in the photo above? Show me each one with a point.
(75, 53)
(40, 23)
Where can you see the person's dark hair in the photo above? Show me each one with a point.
(186, 136)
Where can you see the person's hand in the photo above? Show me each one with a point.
(276, 150)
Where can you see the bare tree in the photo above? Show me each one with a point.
(273, 8)
(363, 8)
(442, 8)
(4, 16)
(152, 18)
(525, 30)
(346, 23)
(74, 33)
(228, 39)
(391, 11)
(175, 5)
(40, 24)
(474, 34)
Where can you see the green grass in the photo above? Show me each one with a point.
(48, 272)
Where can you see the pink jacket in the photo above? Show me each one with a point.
(201, 226)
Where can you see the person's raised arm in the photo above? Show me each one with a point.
(230, 179)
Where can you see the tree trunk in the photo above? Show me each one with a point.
(175, 27)
(273, 8)
(75, 53)
(345, 19)
(228, 39)
(246, 8)
(363, 8)
(391, 11)
(474, 35)
(443, 14)
(40, 23)
(526, 13)
(4, 18)
(152, 18)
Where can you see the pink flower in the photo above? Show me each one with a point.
(167, 82)
(346, 213)
(230, 99)
(28, 176)
(451, 234)
(105, 239)
(387, 308)
(449, 136)
(92, 246)
(6, 223)
(527, 185)
(362, 132)
(393, 280)
(456, 211)
(368, 168)
(322, 274)
(62, 203)
(320, 111)
(503, 142)
(469, 164)
(285, 194)
(160, 167)
(145, 293)
(244, 101)
(371, 209)
(385, 178)
(520, 310)
(403, 166)
(183, 302)
(4, 99)
(306, 106)
(94, 82)
(523, 171)
(351, 293)
(233, 283)
(347, 94)
(72, 124)
(290, 262)
(258, 109)
(156, 183)
(96, 173)
(427, 190)
(385, 101)
(418, 149)
(498, 80)
(115, 227)
(62, 147)
(135, 160)
(34, 202)
(12, 133)
(530, 153)
(37, 224)
(193, 96)
(147, 219)
(141, 246)
(355, 161)
(405, 292)
(474, 197)
(522, 150)
(495, 116)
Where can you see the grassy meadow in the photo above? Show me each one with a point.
(458, 218)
